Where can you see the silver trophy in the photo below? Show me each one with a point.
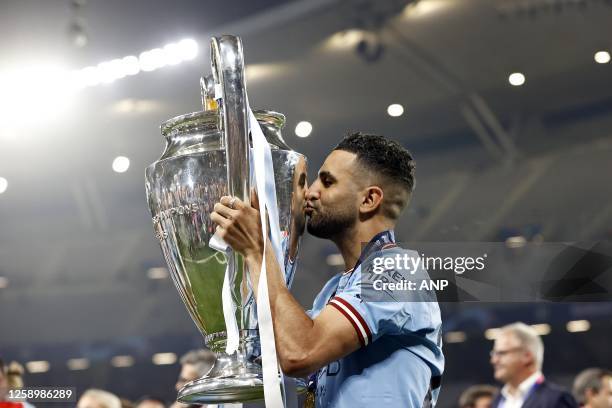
(207, 156)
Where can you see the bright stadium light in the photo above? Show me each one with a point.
(542, 329)
(164, 358)
(107, 72)
(303, 129)
(122, 361)
(88, 76)
(130, 65)
(38, 366)
(121, 164)
(516, 79)
(517, 241)
(152, 60)
(455, 337)
(77, 364)
(42, 91)
(577, 326)
(188, 49)
(602, 57)
(33, 93)
(3, 184)
(110, 71)
(172, 54)
(395, 110)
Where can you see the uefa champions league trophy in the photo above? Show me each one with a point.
(207, 156)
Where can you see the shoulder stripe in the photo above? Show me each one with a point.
(346, 314)
(362, 329)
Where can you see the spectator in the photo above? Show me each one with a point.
(194, 364)
(14, 375)
(11, 378)
(93, 398)
(150, 402)
(4, 386)
(478, 396)
(126, 403)
(593, 388)
(517, 358)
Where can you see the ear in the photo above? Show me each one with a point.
(371, 199)
(528, 358)
(589, 393)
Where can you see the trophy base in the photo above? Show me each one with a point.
(227, 390)
(222, 390)
(232, 378)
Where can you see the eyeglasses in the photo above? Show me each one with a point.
(501, 353)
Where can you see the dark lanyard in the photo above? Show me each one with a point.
(382, 240)
(379, 242)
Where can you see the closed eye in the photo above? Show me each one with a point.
(326, 178)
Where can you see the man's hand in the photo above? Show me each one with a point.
(303, 345)
(239, 225)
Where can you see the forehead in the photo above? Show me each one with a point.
(506, 340)
(339, 162)
(189, 370)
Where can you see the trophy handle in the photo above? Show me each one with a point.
(227, 59)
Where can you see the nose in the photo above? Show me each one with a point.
(312, 192)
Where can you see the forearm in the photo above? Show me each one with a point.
(293, 328)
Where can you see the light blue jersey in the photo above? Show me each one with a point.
(401, 347)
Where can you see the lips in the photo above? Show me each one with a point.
(308, 209)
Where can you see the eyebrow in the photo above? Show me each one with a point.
(325, 173)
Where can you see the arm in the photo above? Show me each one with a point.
(303, 344)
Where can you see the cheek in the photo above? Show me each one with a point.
(343, 198)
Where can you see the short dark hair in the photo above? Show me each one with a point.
(470, 396)
(381, 155)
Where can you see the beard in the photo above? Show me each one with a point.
(325, 224)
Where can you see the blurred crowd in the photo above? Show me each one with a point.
(194, 364)
(516, 358)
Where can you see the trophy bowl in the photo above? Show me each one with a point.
(198, 166)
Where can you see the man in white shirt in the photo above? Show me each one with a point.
(517, 358)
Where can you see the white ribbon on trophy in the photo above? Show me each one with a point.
(264, 177)
(266, 189)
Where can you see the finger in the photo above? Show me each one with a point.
(232, 202)
(219, 219)
(225, 211)
(254, 199)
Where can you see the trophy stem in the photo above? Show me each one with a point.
(248, 337)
